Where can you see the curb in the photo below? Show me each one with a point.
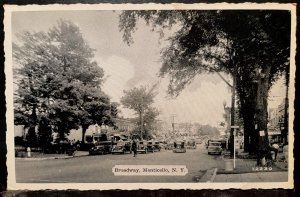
(212, 178)
(209, 175)
(48, 158)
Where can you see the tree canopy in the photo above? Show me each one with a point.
(140, 100)
(58, 79)
(216, 41)
(253, 46)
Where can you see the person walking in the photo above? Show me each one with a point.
(275, 148)
(134, 148)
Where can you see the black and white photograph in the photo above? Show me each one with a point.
(150, 96)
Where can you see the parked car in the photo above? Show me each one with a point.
(214, 148)
(150, 146)
(191, 144)
(142, 146)
(102, 147)
(121, 147)
(163, 144)
(198, 140)
(97, 150)
(169, 146)
(179, 147)
(157, 146)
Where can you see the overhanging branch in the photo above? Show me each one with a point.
(224, 80)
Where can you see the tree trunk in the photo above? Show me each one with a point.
(84, 128)
(141, 124)
(262, 117)
(248, 113)
(285, 130)
(248, 130)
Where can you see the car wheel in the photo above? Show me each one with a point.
(208, 153)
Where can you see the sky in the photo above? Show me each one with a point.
(138, 64)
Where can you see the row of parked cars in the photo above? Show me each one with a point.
(122, 147)
(180, 146)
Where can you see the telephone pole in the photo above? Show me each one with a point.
(173, 122)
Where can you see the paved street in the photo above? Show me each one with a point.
(97, 169)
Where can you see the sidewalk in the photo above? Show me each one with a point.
(42, 156)
(247, 171)
(253, 177)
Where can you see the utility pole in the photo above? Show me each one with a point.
(232, 143)
(232, 111)
(232, 121)
(173, 122)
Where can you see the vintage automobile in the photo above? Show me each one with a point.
(142, 146)
(224, 142)
(169, 146)
(97, 150)
(214, 148)
(102, 147)
(163, 144)
(191, 144)
(179, 147)
(150, 146)
(157, 146)
(198, 141)
(121, 147)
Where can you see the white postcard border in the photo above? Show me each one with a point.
(12, 185)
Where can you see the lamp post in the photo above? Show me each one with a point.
(173, 123)
(232, 113)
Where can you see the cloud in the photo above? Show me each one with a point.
(118, 71)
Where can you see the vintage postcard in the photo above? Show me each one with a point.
(150, 96)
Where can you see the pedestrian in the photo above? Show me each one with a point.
(275, 148)
(134, 148)
(28, 152)
(286, 152)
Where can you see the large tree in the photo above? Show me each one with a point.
(150, 120)
(57, 78)
(252, 46)
(97, 109)
(140, 100)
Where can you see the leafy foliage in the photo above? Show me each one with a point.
(251, 45)
(140, 100)
(57, 79)
(216, 41)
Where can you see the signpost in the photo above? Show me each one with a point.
(262, 133)
(234, 133)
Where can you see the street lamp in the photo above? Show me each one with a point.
(233, 112)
